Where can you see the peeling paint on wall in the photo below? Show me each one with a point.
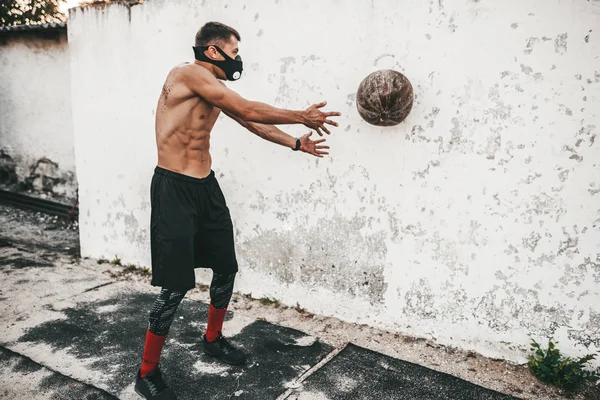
(320, 256)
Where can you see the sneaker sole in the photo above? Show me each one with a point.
(141, 395)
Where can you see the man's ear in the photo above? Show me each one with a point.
(212, 52)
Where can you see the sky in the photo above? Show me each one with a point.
(69, 3)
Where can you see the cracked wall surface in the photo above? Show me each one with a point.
(36, 132)
(474, 222)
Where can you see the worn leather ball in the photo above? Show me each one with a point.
(384, 98)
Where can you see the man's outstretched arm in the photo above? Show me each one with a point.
(204, 84)
(276, 135)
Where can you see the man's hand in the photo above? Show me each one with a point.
(312, 146)
(316, 119)
(276, 135)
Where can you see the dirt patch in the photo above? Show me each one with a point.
(35, 231)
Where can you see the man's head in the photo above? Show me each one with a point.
(220, 35)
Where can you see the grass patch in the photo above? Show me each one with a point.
(267, 301)
(116, 261)
(130, 267)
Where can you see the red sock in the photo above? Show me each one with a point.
(216, 316)
(152, 350)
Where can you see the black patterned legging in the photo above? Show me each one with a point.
(165, 305)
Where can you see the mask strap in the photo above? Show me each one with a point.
(222, 52)
(204, 48)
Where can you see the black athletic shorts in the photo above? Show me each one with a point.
(190, 227)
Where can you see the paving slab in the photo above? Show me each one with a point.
(356, 373)
(31, 283)
(21, 378)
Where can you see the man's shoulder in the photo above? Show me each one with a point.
(188, 70)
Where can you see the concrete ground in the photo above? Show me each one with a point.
(73, 329)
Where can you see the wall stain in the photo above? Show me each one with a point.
(576, 275)
(423, 173)
(287, 61)
(416, 135)
(560, 43)
(531, 241)
(543, 204)
(568, 246)
(494, 144)
(531, 178)
(590, 332)
(414, 230)
(510, 307)
(434, 113)
(531, 42)
(420, 301)
(319, 257)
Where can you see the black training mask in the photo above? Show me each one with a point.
(232, 67)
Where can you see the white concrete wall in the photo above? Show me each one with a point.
(35, 109)
(474, 222)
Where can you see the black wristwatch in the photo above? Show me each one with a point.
(297, 145)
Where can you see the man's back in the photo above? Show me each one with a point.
(184, 122)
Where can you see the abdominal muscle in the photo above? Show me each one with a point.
(187, 153)
(184, 123)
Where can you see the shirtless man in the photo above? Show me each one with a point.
(190, 223)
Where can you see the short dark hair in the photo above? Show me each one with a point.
(215, 33)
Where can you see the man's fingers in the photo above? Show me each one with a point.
(325, 129)
(319, 131)
(332, 114)
(319, 141)
(321, 104)
(330, 122)
(321, 147)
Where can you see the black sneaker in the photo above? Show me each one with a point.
(224, 351)
(153, 386)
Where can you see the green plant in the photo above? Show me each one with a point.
(130, 267)
(116, 261)
(549, 366)
(267, 301)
